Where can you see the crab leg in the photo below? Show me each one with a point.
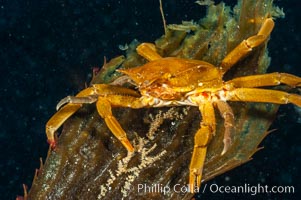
(104, 110)
(63, 114)
(266, 80)
(246, 46)
(76, 100)
(201, 140)
(264, 95)
(148, 51)
(75, 103)
(228, 116)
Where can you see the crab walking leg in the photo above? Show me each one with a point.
(148, 51)
(76, 100)
(265, 96)
(104, 109)
(104, 105)
(246, 46)
(63, 114)
(74, 103)
(228, 116)
(201, 140)
(94, 91)
(266, 80)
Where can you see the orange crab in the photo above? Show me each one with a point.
(175, 81)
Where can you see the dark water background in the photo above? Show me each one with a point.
(47, 51)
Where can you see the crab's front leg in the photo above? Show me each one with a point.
(105, 111)
(104, 105)
(88, 95)
(201, 140)
(65, 112)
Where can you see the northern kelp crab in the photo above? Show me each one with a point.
(183, 82)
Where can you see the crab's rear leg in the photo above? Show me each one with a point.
(247, 45)
(201, 140)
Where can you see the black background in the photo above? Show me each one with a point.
(48, 50)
